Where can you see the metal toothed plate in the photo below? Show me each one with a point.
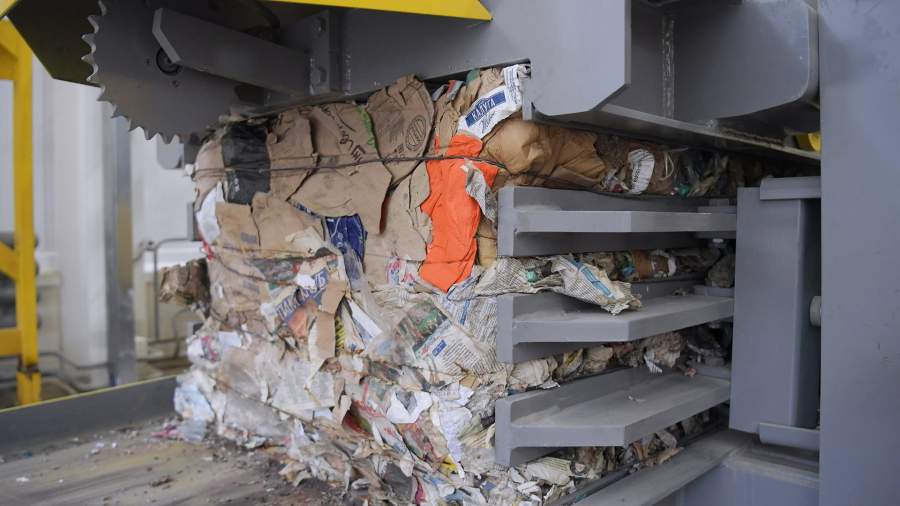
(140, 81)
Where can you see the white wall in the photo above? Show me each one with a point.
(160, 198)
(69, 207)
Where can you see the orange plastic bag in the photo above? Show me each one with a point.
(454, 214)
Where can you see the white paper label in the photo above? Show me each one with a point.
(494, 106)
(642, 163)
(206, 216)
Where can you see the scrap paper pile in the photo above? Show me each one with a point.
(350, 286)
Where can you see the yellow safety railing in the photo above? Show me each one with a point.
(18, 262)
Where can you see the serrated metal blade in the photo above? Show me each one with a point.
(124, 54)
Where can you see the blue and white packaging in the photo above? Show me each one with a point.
(496, 105)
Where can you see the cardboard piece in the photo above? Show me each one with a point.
(238, 231)
(291, 152)
(486, 237)
(322, 341)
(407, 230)
(402, 115)
(342, 134)
(277, 221)
(543, 155)
(185, 284)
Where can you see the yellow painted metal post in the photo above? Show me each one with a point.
(28, 376)
(466, 9)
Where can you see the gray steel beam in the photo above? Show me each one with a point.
(642, 76)
(792, 437)
(790, 188)
(626, 47)
(224, 52)
(860, 63)
(775, 358)
(612, 409)
(27, 426)
(546, 318)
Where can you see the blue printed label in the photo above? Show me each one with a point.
(483, 106)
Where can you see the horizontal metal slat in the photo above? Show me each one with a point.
(557, 323)
(613, 409)
(622, 222)
(544, 221)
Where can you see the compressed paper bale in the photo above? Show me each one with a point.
(391, 385)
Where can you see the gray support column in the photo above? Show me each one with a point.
(775, 353)
(118, 251)
(860, 440)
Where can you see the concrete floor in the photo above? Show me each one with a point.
(130, 466)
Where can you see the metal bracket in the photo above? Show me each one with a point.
(320, 36)
(208, 47)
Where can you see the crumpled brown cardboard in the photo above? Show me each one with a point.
(406, 232)
(238, 231)
(342, 133)
(290, 148)
(402, 115)
(277, 221)
(544, 155)
(186, 284)
(486, 238)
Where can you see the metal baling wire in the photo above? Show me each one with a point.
(199, 173)
(354, 163)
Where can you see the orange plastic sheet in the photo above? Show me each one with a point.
(454, 214)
